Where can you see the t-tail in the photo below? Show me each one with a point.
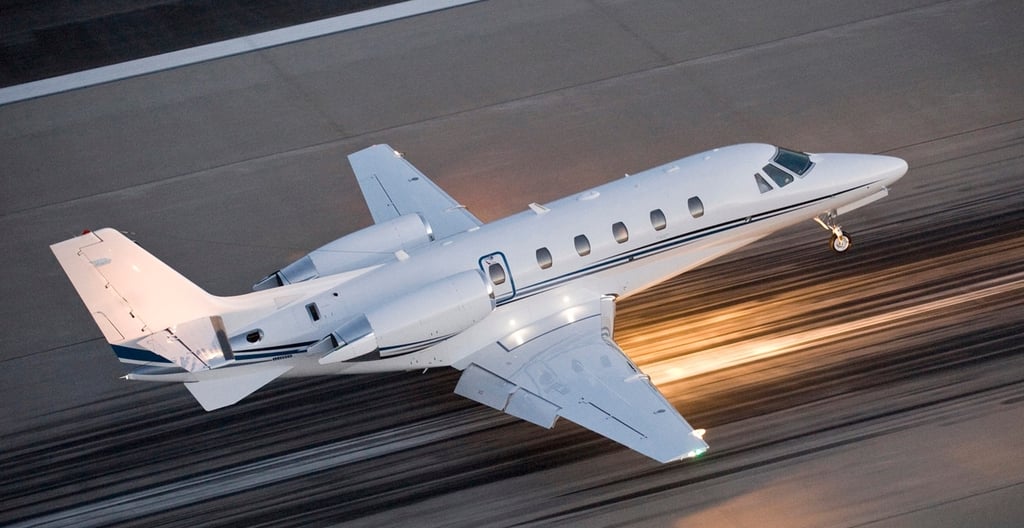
(155, 318)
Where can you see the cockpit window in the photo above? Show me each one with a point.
(779, 176)
(761, 184)
(797, 162)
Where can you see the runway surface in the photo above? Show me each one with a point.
(882, 387)
(47, 38)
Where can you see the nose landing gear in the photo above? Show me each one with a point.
(840, 241)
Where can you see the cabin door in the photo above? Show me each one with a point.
(496, 270)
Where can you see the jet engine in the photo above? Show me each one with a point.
(413, 321)
(366, 247)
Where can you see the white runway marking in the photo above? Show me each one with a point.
(226, 48)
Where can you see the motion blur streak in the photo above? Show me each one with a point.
(914, 422)
(243, 477)
(737, 354)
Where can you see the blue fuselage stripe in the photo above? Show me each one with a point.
(138, 354)
(135, 354)
(657, 247)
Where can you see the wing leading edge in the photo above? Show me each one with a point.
(392, 187)
(576, 371)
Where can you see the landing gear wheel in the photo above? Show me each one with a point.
(840, 242)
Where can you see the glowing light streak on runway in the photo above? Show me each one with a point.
(730, 356)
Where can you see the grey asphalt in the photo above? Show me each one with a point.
(46, 38)
(231, 168)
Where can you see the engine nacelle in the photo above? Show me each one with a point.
(373, 245)
(413, 321)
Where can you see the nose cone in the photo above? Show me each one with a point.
(851, 170)
(891, 169)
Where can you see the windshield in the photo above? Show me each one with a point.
(797, 162)
(781, 177)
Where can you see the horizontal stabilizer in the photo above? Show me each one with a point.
(224, 387)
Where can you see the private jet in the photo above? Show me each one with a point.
(524, 307)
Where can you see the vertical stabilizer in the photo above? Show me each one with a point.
(150, 313)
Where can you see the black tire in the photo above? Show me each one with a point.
(841, 244)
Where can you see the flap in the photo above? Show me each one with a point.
(577, 372)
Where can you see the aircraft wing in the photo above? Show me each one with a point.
(392, 187)
(576, 371)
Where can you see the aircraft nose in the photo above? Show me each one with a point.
(891, 169)
(853, 170)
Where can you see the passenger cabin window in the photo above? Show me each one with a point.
(582, 245)
(658, 220)
(544, 258)
(797, 162)
(314, 312)
(696, 207)
(620, 232)
(761, 184)
(497, 273)
(779, 176)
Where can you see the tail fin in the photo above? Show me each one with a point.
(148, 312)
(153, 316)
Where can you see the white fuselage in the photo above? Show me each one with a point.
(640, 230)
(524, 306)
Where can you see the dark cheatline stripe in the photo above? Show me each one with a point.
(272, 352)
(265, 355)
(659, 247)
(408, 348)
(277, 348)
(138, 354)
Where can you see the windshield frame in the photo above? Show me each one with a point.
(799, 163)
